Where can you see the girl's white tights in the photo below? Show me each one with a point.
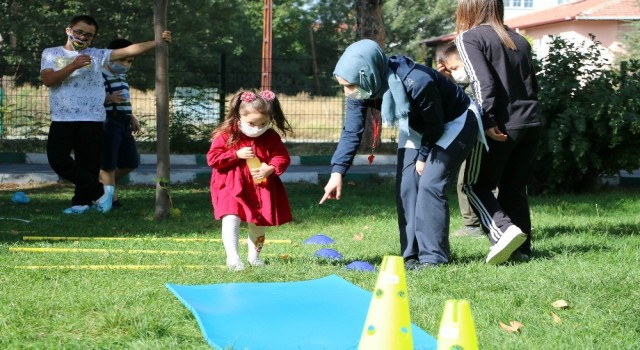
(230, 234)
(230, 228)
(255, 242)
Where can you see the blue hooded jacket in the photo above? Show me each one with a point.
(433, 101)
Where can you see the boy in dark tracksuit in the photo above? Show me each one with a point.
(504, 85)
(438, 127)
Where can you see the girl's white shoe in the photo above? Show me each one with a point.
(235, 265)
(256, 263)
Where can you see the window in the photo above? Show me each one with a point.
(520, 3)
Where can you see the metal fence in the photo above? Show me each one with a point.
(198, 101)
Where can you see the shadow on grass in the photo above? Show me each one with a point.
(136, 219)
(561, 249)
(313, 260)
(615, 229)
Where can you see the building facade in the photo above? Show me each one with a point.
(574, 20)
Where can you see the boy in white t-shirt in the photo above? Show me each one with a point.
(76, 93)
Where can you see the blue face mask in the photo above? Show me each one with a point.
(118, 68)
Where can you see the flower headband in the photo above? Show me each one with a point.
(249, 96)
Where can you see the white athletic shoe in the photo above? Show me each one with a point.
(235, 265)
(76, 209)
(256, 263)
(510, 240)
(104, 203)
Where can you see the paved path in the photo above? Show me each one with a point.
(34, 170)
(41, 174)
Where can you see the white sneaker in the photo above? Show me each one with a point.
(76, 209)
(510, 240)
(104, 203)
(235, 265)
(256, 263)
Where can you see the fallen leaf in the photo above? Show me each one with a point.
(351, 183)
(366, 227)
(358, 237)
(560, 304)
(14, 232)
(517, 325)
(506, 328)
(556, 318)
(514, 327)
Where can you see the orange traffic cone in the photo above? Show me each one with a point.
(388, 324)
(456, 327)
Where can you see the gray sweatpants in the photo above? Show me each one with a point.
(422, 204)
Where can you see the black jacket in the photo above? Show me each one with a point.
(503, 80)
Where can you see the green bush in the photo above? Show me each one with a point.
(592, 120)
(189, 125)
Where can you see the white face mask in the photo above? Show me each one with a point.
(460, 76)
(359, 94)
(77, 44)
(253, 131)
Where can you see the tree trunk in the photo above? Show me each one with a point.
(163, 199)
(370, 25)
(369, 21)
(267, 44)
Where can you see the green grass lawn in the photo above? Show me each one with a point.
(587, 251)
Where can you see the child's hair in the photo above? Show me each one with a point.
(86, 19)
(119, 44)
(264, 102)
(450, 50)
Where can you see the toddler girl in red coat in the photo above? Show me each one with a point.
(255, 195)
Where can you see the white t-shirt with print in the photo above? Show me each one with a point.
(80, 97)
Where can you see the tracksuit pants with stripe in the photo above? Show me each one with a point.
(507, 165)
(422, 203)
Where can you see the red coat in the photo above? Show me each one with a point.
(232, 188)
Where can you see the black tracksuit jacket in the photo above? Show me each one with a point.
(503, 80)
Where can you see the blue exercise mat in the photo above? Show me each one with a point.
(326, 313)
